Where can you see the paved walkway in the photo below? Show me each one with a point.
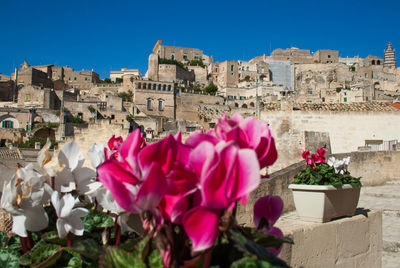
(387, 198)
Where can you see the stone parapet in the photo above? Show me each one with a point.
(347, 242)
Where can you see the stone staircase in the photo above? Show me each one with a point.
(387, 198)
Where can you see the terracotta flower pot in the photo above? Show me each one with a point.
(320, 203)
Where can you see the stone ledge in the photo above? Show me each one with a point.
(347, 242)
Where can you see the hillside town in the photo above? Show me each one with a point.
(309, 100)
(185, 90)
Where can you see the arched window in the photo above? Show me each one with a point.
(163, 88)
(378, 62)
(139, 85)
(160, 105)
(244, 105)
(148, 104)
(154, 86)
(252, 104)
(172, 57)
(159, 86)
(169, 87)
(149, 86)
(144, 85)
(236, 105)
(373, 62)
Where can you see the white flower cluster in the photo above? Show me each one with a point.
(61, 180)
(339, 165)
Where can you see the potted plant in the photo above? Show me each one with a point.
(325, 190)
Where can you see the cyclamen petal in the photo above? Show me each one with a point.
(71, 156)
(119, 188)
(248, 177)
(202, 227)
(131, 148)
(276, 232)
(153, 188)
(268, 207)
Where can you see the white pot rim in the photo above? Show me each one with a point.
(319, 187)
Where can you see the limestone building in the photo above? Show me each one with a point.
(134, 73)
(390, 57)
(181, 54)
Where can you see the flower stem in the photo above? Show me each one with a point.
(29, 240)
(22, 240)
(117, 231)
(69, 240)
(52, 181)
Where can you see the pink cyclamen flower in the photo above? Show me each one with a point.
(134, 189)
(248, 133)
(305, 154)
(227, 174)
(321, 152)
(267, 211)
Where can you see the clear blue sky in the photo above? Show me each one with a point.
(109, 35)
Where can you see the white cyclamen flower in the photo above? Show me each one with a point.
(96, 154)
(339, 165)
(69, 218)
(67, 169)
(23, 197)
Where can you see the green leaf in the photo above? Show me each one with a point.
(141, 248)
(266, 240)
(248, 262)
(115, 257)
(26, 258)
(52, 237)
(46, 255)
(70, 259)
(9, 258)
(250, 247)
(14, 243)
(155, 259)
(97, 219)
(88, 248)
(130, 244)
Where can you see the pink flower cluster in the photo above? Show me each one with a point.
(194, 183)
(313, 159)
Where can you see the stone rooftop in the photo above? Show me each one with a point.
(338, 107)
(7, 154)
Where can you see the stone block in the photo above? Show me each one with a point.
(347, 242)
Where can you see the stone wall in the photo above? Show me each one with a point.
(375, 168)
(348, 242)
(347, 130)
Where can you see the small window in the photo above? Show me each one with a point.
(154, 86)
(160, 105)
(27, 97)
(172, 57)
(148, 104)
(329, 56)
(159, 87)
(7, 124)
(345, 99)
(169, 87)
(262, 70)
(185, 56)
(366, 75)
(232, 68)
(139, 85)
(164, 86)
(74, 78)
(85, 78)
